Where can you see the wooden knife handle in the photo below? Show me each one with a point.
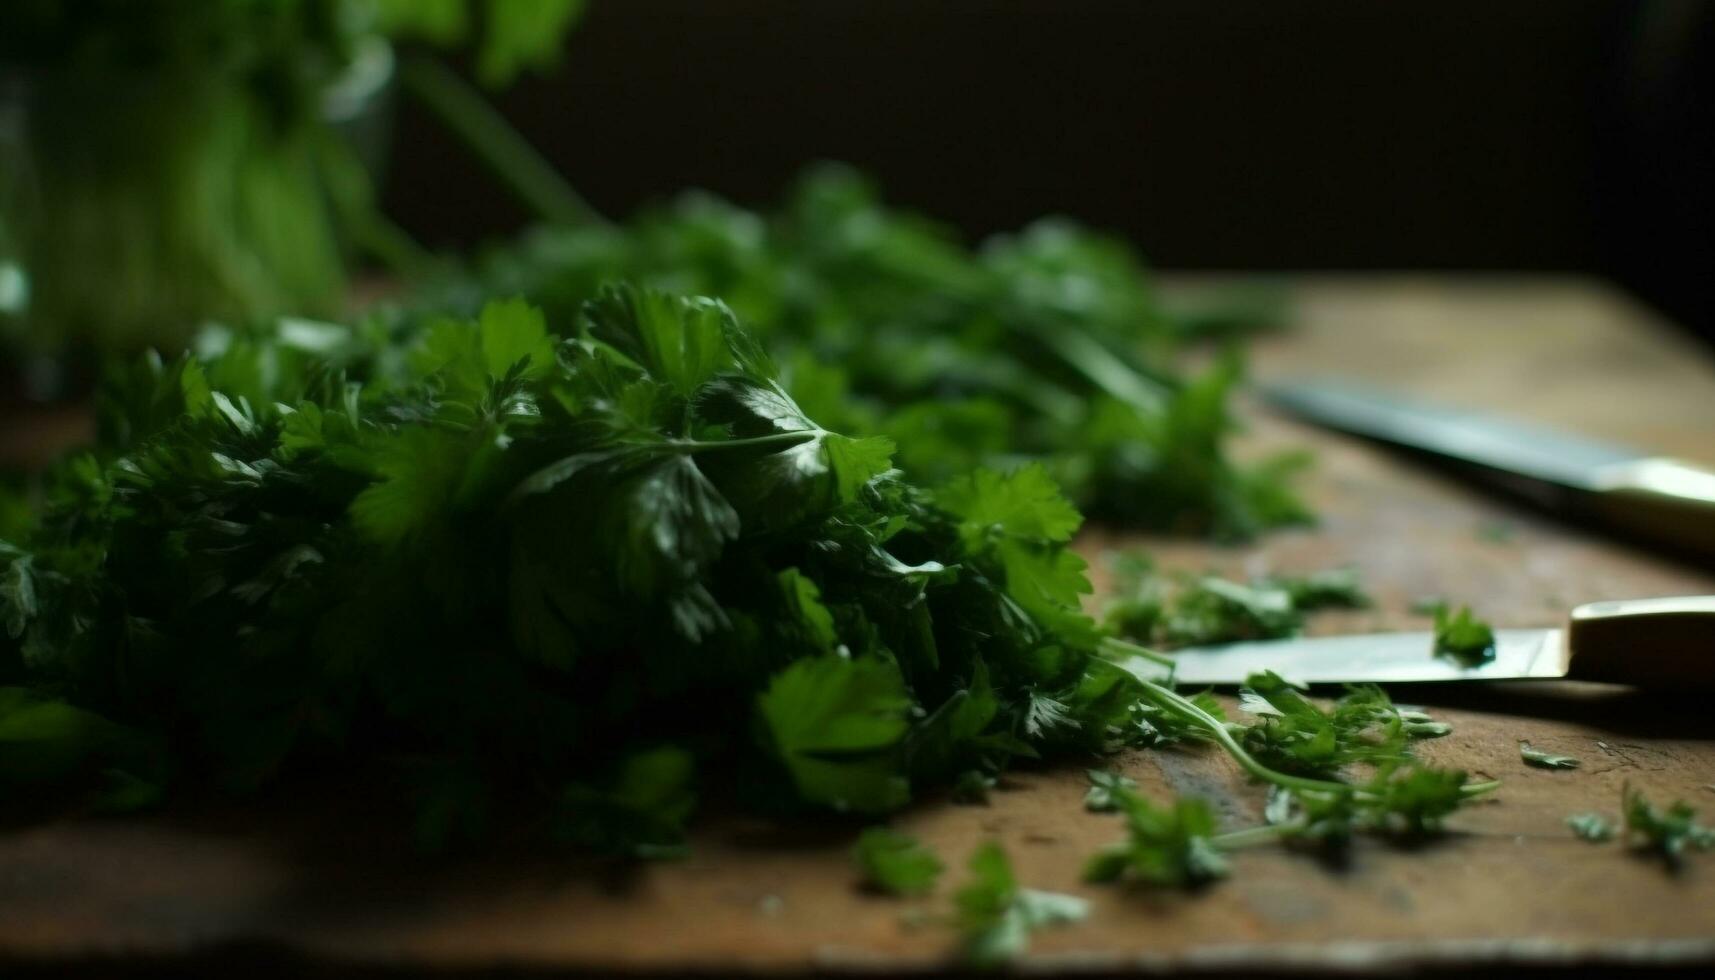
(1667, 499)
(1647, 642)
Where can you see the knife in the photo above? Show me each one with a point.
(1668, 500)
(1667, 642)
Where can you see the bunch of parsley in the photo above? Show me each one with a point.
(1049, 344)
(589, 569)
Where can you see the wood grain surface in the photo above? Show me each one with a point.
(322, 880)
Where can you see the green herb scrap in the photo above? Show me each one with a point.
(1332, 773)
(592, 567)
(1667, 832)
(1195, 611)
(996, 916)
(1105, 787)
(1462, 637)
(1294, 735)
(1545, 760)
(1047, 344)
(1171, 846)
(1592, 827)
(895, 863)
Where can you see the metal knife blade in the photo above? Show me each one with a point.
(1667, 501)
(1381, 658)
(1501, 444)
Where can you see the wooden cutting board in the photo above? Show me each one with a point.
(319, 877)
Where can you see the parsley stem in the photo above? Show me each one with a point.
(1171, 700)
(1175, 702)
(1115, 644)
(488, 135)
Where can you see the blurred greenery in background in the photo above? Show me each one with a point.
(170, 161)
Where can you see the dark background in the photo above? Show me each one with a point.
(1325, 134)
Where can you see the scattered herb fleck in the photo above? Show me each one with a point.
(1668, 832)
(1104, 787)
(1169, 846)
(1592, 827)
(1200, 610)
(895, 863)
(996, 916)
(1462, 637)
(1545, 760)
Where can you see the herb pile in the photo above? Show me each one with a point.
(1048, 344)
(495, 555)
(587, 570)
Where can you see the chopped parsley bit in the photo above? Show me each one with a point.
(996, 916)
(1592, 827)
(1462, 637)
(1171, 846)
(1208, 609)
(895, 863)
(1667, 832)
(1545, 760)
(1104, 786)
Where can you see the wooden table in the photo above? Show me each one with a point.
(1510, 886)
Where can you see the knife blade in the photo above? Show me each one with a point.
(1647, 642)
(1668, 500)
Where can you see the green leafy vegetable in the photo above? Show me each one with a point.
(1545, 760)
(585, 568)
(1152, 609)
(896, 863)
(1170, 846)
(996, 916)
(1592, 827)
(1668, 832)
(1334, 588)
(193, 156)
(1302, 752)
(1462, 637)
(1048, 344)
(1105, 787)
(1295, 735)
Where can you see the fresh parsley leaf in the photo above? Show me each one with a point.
(1104, 786)
(1668, 832)
(641, 812)
(1592, 827)
(836, 723)
(1414, 802)
(1462, 637)
(1335, 588)
(996, 916)
(1545, 760)
(1151, 609)
(895, 863)
(1170, 846)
